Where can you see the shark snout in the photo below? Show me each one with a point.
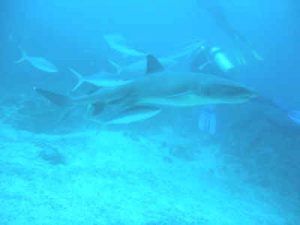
(239, 94)
(230, 93)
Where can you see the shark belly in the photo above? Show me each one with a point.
(108, 82)
(177, 101)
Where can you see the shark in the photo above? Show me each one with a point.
(145, 97)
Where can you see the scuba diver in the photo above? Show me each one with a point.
(212, 60)
(218, 15)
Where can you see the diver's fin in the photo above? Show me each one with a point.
(207, 121)
(153, 65)
(23, 56)
(80, 79)
(57, 99)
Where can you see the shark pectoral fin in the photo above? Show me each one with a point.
(153, 65)
(57, 99)
(135, 114)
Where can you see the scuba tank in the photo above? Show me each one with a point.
(221, 60)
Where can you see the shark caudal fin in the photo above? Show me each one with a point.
(80, 79)
(23, 56)
(56, 99)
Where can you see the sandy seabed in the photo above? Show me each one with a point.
(110, 177)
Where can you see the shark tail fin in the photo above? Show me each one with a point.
(79, 78)
(57, 99)
(23, 56)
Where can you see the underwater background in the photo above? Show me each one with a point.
(203, 165)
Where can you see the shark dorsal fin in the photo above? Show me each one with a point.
(153, 65)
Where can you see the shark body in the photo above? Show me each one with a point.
(158, 89)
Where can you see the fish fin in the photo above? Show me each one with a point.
(257, 56)
(295, 116)
(57, 99)
(80, 79)
(23, 56)
(153, 65)
(117, 67)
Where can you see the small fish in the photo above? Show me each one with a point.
(98, 79)
(38, 63)
(117, 43)
(139, 66)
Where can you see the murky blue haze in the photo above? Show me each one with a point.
(122, 160)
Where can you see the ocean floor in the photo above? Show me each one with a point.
(111, 177)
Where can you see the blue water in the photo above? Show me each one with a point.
(237, 164)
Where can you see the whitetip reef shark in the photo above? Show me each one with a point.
(145, 96)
